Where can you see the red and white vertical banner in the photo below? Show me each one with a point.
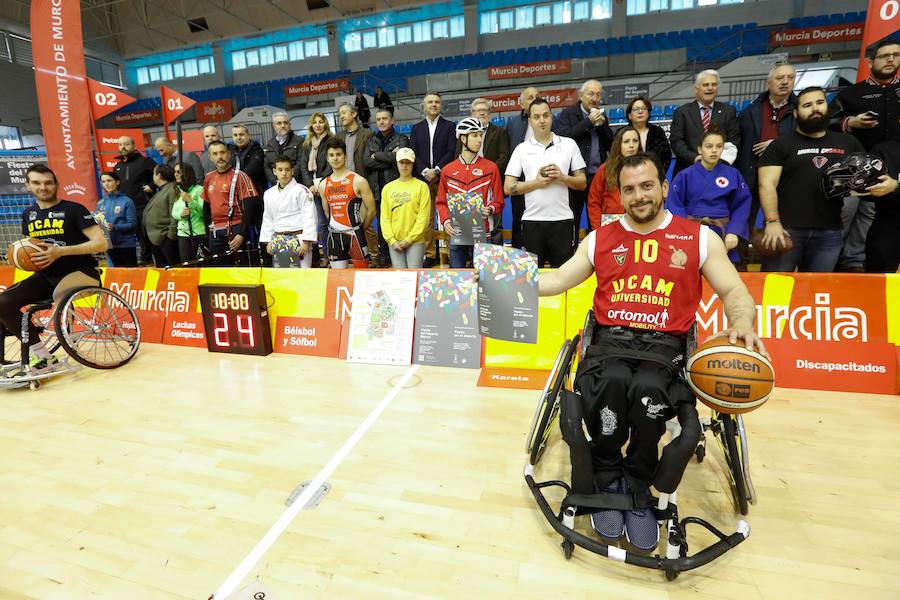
(882, 19)
(63, 98)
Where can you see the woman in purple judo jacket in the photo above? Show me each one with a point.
(713, 193)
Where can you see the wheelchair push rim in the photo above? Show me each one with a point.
(97, 328)
(548, 406)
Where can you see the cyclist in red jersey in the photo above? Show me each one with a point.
(349, 207)
(648, 267)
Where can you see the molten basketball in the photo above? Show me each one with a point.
(18, 254)
(729, 378)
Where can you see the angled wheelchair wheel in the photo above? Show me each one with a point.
(734, 461)
(97, 328)
(12, 347)
(548, 405)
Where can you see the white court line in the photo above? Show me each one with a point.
(238, 575)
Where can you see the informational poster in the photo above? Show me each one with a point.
(507, 293)
(12, 172)
(447, 320)
(381, 321)
(466, 218)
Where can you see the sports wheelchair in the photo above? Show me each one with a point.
(94, 327)
(558, 395)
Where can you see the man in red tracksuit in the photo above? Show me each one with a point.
(470, 187)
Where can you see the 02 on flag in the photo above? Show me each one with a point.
(106, 99)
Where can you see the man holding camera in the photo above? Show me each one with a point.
(870, 110)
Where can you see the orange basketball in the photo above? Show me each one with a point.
(729, 378)
(18, 254)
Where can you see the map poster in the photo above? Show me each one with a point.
(381, 320)
(507, 293)
(466, 218)
(447, 320)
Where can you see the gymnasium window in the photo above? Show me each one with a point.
(387, 36)
(281, 53)
(457, 27)
(440, 29)
(528, 16)
(639, 7)
(178, 69)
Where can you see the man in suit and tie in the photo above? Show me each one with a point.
(433, 139)
(693, 119)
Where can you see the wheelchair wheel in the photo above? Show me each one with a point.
(733, 459)
(12, 347)
(97, 328)
(548, 405)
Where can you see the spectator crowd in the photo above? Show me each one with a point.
(372, 196)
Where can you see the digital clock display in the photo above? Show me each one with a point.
(236, 319)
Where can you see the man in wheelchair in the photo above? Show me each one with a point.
(69, 237)
(648, 267)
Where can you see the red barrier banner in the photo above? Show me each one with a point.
(174, 104)
(213, 110)
(139, 116)
(106, 99)
(535, 69)
(827, 331)
(311, 88)
(63, 99)
(191, 141)
(882, 19)
(817, 35)
(185, 330)
(108, 145)
(312, 337)
(556, 99)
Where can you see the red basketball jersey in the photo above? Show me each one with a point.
(649, 281)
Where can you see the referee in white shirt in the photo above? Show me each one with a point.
(552, 165)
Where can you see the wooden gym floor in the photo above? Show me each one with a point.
(157, 479)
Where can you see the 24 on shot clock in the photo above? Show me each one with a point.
(236, 319)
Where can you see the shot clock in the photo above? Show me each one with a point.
(236, 319)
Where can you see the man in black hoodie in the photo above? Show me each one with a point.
(250, 158)
(135, 173)
(285, 143)
(381, 167)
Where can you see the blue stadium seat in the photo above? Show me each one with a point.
(617, 114)
(499, 121)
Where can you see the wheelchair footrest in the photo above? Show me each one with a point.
(609, 501)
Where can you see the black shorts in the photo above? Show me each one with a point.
(551, 241)
(347, 245)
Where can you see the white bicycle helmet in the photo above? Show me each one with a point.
(467, 126)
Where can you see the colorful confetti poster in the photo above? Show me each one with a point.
(507, 293)
(447, 320)
(466, 218)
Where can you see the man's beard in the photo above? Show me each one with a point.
(654, 211)
(886, 74)
(813, 124)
